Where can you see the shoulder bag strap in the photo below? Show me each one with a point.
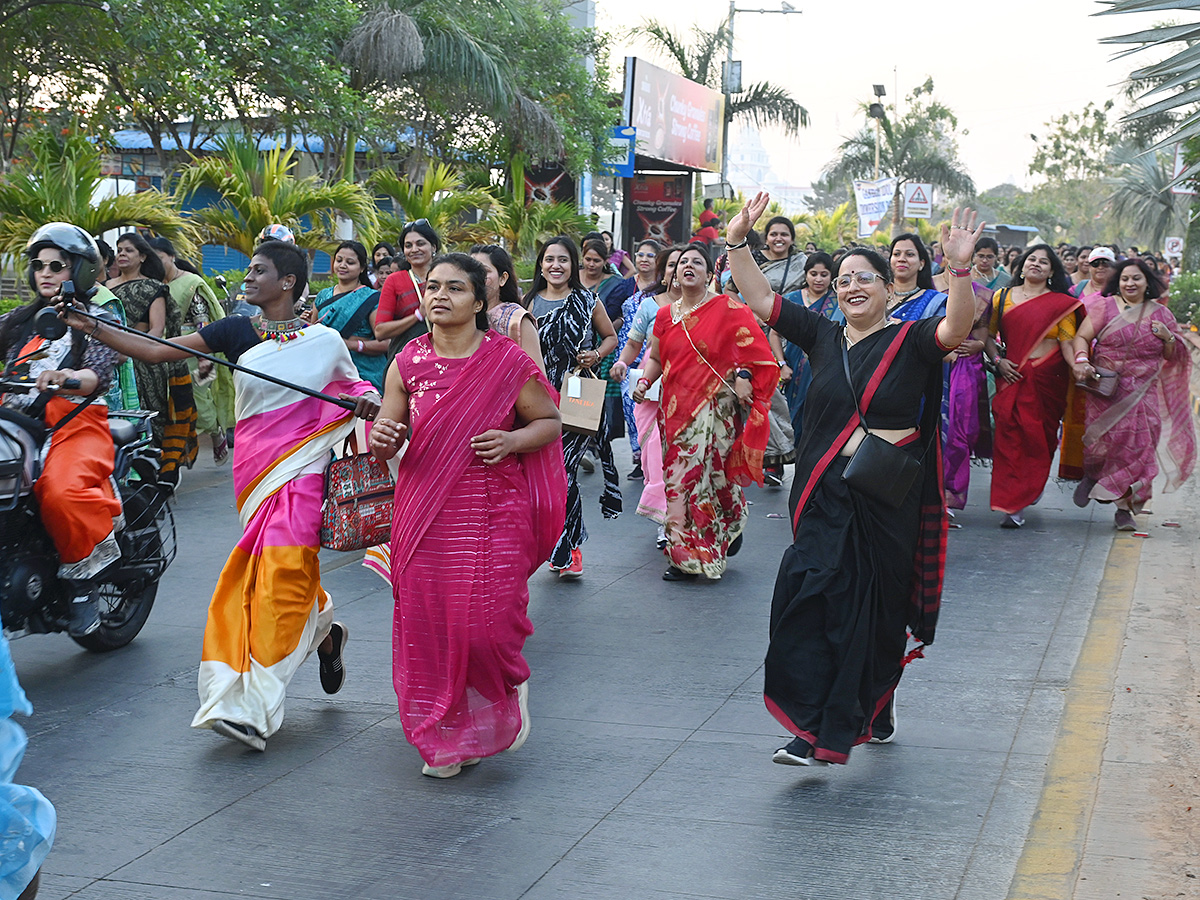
(360, 315)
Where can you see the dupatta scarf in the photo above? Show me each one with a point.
(700, 355)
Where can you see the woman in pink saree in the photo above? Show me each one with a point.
(480, 503)
(1145, 426)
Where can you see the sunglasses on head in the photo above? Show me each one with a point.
(54, 265)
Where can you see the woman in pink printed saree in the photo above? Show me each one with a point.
(1145, 426)
(480, 503)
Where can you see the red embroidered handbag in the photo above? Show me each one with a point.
(359, 492)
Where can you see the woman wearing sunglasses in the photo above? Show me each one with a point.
(75, 492)
(860, 572)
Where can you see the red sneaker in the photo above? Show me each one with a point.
(575, 569)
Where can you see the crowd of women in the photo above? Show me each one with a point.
(883, 379)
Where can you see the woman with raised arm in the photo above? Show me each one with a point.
(860, 572)
(719, 375)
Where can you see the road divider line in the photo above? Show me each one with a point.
(1049, 865)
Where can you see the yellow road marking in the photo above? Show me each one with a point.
(1049, 864)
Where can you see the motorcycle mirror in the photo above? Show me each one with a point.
(221, 282)
(47, 323)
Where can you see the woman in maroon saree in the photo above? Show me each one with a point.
(1034, 321)
(1145, 426)
(480, 501)
(860, 574)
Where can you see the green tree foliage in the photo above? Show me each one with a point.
(258, 189)
(59, 182)
(1172, 91)
(1142, 199)
(919, 145)
(828, 230)
(761, 103)
(521, 228)
(1077, 145)
(441, 197)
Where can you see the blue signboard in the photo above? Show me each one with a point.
(621, 144)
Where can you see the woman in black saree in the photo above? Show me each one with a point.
(860, 573)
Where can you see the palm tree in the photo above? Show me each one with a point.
(1176, 82)
(521, 228)
(396, 40)
(761, 103)
(828, 230)
(60, 180)
(258, 189)
(441, 197)
(1142, 195)
(918, 146)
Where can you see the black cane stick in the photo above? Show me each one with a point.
(337, 401)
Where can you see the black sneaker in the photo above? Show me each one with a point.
(677, 574)
(798, 752)
(773, 476)
(85, 615)
(637, 474)
(883, 729)
(333, 673)
(735, 546)
(242, 733)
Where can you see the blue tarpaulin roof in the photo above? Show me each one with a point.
(134, 139)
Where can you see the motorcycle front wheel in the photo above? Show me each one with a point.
(125, 604)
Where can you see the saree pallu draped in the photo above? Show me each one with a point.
(1145, 427)
(165, 388)
(562, 333)
(796, 388)
(967, 423)
(653, 502)
(859, 574)
(1028, 413)
(466, 539)
(712, 447)
(268, 610)
(349, 314)
(628, 308)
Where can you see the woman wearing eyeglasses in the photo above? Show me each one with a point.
(860, 572)
(399, 318)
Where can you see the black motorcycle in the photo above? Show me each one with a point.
(33, 599)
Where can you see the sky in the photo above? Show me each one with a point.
(1004, 67)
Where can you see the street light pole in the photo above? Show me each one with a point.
(875, 111)
(786, 8)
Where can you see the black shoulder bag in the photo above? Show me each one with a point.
(878, 468)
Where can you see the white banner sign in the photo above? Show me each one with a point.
(874, 199)
(1173, 246)
(918, 200)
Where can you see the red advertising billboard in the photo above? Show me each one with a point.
(677, 120)
(658, 208)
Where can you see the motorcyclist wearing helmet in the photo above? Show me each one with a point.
(74, 492)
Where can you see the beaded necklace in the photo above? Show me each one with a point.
(282, 331)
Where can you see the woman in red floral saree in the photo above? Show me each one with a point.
(718, 378)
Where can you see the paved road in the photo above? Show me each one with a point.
(648, 771)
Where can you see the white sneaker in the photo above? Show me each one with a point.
(1012, 520)
(526, 725)
(242, 733)
(447, 771)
